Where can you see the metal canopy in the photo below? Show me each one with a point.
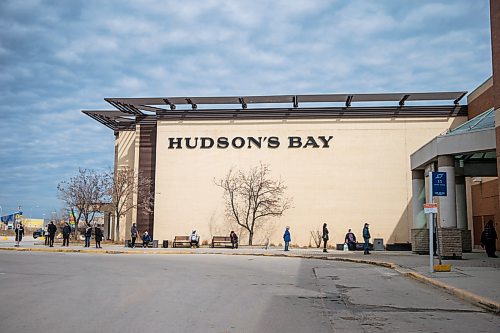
(157, 104)
(132, 111)
(115, 120)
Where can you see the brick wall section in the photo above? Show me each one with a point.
(466, 241)
(495, 48)
(147, 167)
(420, 241)
(481, 103)
(450, 243)
(495, 56)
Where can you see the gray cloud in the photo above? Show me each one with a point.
(59, 57)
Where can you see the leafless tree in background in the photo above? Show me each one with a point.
(252, 197)
(122, 185)
(82, 192)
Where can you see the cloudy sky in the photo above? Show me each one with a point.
(60, 57)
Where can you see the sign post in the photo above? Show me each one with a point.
(437, 187)
(431, 223)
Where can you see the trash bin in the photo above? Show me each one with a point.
(378, 244)
(165, 244)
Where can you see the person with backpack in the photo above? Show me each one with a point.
(287, 238)
(325, 237)
(66, 234)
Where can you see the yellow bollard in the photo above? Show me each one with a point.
(442, 268)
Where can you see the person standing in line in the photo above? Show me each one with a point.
(66, 234)
(98, 237)
(350, 240)
(366, 237)
(146, 238)
(88, 235)
(234, 239)
(52, 233)
(489, 239)
(19, 230)
(133, 234)
(287, 237)
(325, 237)
(46, 235)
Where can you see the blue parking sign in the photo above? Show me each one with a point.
(439, 184)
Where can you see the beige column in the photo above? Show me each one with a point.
(418, 198)
(462, 216)
(449, 236)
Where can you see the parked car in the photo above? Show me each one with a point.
(38, 233)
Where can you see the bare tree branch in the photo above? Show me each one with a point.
(252, 196)
(122, 185)
(81, 193)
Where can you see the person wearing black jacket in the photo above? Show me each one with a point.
(52, 233)
(146, 238)
(88, 235)
(98, 237)
(325, 237)
(19, 233)
(133, 234)
(66, 233)
(350, 240)
(489, 239)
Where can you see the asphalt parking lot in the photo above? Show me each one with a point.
(71, 292)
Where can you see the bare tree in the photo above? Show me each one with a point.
(252, 197)
(81, 193)
(123, 184)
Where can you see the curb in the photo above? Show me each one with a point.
(477, 300)
(460, 293)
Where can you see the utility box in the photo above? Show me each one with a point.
(378, 244)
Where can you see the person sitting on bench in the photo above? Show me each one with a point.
(350, 240)
(234, 239)
(146, 238)
(194, 239)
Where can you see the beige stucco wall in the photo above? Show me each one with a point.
(363, 177)
(126, 150)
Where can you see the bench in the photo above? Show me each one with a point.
(183, 241)
(222, 241)
(138, 243)
(359, 247)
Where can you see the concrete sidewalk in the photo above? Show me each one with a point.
(475, 278)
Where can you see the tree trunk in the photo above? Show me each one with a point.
(250, 237)
(117, 234)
